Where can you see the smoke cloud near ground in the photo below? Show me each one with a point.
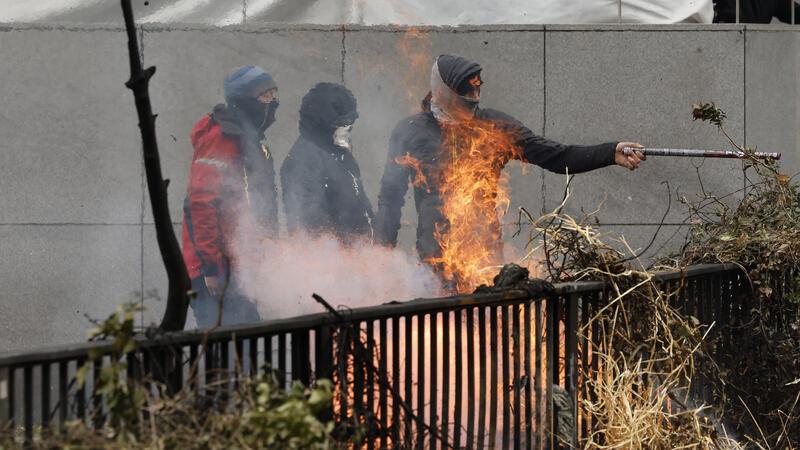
(281, 275)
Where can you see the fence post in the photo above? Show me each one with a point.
(323, 365)
(551, 371)
(27, 404)
(301, 355)
(571, 363)
(6, 400)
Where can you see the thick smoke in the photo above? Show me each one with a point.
(282, 275)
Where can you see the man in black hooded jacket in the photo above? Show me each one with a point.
(424, 138)
(320, 178)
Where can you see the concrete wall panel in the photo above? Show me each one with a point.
(68, 135)
(640, 85)
(71, 150)
(771, 79)
(54, 276)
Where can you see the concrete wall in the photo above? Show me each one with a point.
(76, 231)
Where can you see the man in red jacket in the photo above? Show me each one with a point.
(231, 195)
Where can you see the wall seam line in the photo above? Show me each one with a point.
(344, 53)
(142, 206)
(544, 82)
(744, 105)
(744, 82)
(544, 114)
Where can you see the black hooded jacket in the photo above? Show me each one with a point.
(421, 137)
(321, 182)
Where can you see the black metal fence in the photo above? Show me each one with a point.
(476, 371)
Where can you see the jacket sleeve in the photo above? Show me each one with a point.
(553, 156)
(394, 186)
(203, 198)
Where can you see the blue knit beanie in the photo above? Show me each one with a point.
(247, 82)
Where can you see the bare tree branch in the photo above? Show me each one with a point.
(179, 284)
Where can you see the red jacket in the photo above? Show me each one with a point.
(216, 200)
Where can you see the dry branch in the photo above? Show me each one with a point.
(179, 284)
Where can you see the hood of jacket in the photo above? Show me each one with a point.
(447, 73)
(326, 107)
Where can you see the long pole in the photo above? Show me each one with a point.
(695, 153)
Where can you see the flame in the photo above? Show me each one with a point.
(474, 193)
(475, 81)
(414, 164)
(414, 52)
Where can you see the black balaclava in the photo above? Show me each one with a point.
(326, 108)
(242, 89)
(260, 115)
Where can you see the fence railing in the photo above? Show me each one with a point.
(490, 370)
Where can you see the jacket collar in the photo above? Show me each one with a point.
(231, 124)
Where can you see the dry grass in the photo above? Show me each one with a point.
(648, 352)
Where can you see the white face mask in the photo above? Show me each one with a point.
(341, 136)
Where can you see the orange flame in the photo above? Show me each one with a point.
(414, 52)
(475, 81)
(414, 164)
(474, 193)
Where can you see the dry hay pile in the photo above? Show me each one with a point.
(761, 233)
(647, 349)
(650, 352)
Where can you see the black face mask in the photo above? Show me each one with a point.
(262, 115)
(269, 118)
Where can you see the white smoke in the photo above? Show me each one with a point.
(281, 275)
